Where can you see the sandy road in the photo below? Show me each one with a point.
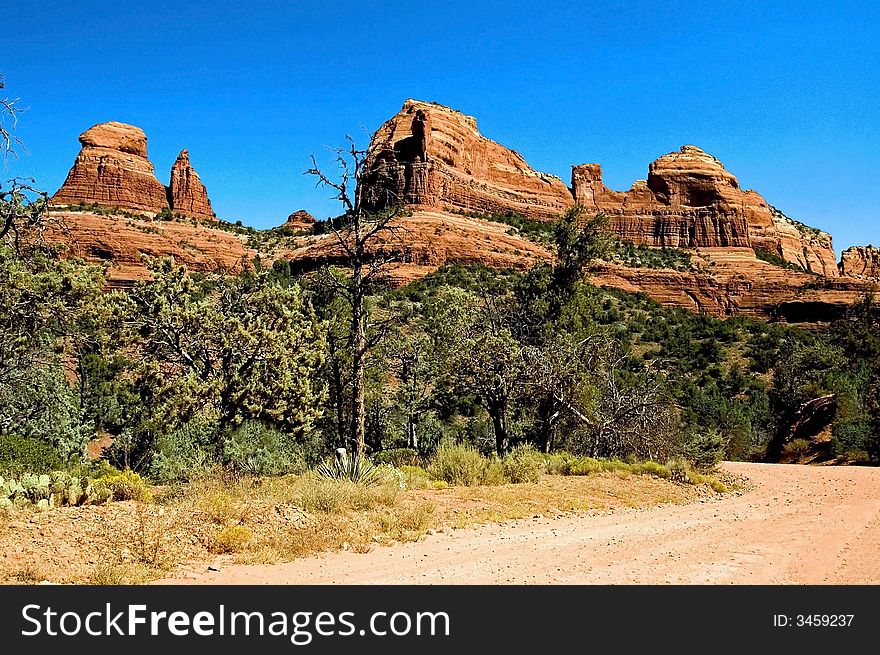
(797, 525)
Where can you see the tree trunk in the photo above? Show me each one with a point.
(358, 352)
(498, 412)
(337, 393)
(412, 437)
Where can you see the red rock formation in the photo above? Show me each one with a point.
(861, 262)
(112, 169)
(300, 220)
(434, 156)
(690, 200)
(121, 242)
(732, 282)
(187, 194)
(427, 239)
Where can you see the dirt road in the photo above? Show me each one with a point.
(796, 525)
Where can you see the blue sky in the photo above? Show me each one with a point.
(786, 94)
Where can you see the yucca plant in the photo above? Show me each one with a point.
(356, 469)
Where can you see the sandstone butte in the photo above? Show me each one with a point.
(112, 170)
(300, 220)
(861, 262)
(434, 162)
(186, 193)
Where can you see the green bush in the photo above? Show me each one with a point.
(257, 449)
(706, 450)
(185, 454)
(493, 473)
(796, 448)
(124, 485)
(20, 455)
(853, 435)
(457, 465)
(523, 464)
(652, 468)
(231, 539)
(415, 477)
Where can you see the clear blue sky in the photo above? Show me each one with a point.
(786, 94)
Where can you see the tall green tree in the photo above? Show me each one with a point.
(236, 347)
(479, 354)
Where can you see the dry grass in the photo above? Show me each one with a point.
(123, 573)
(28, 573)
(268, 520)
(463, 506)
(331, 515)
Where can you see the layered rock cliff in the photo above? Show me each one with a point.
(186, 193)
(689, 200)
(434, 160)
(861, 262)
(433, 156)
(112, 169)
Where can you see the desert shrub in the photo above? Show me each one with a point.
(185, 454)
(231, 539)
(415, 477)
(523, 464)
(680, 471)
(796, 448)
(493, 473)
(42, 405)
(125, 485)
(457, 465)
(853, 435)
(585, 466)
(558, 463)
(316, 493)
(257, 449)
(398, 457)
(705, 450)
(651, 468)
(856, 456)
(27, 455)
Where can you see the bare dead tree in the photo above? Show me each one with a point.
(621, 411)
(359, 234)
(9, 111)
(22, 215)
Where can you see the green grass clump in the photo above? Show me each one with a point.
(523, 464)
(796, 448)
(125, 485)
(231, 539)
(457, 465)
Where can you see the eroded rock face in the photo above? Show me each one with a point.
(434, 156)
(121, 243)
(186, 193)
(112, 169)
(689, 200)
(424, 240)
(300, 220)
(861, 262)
